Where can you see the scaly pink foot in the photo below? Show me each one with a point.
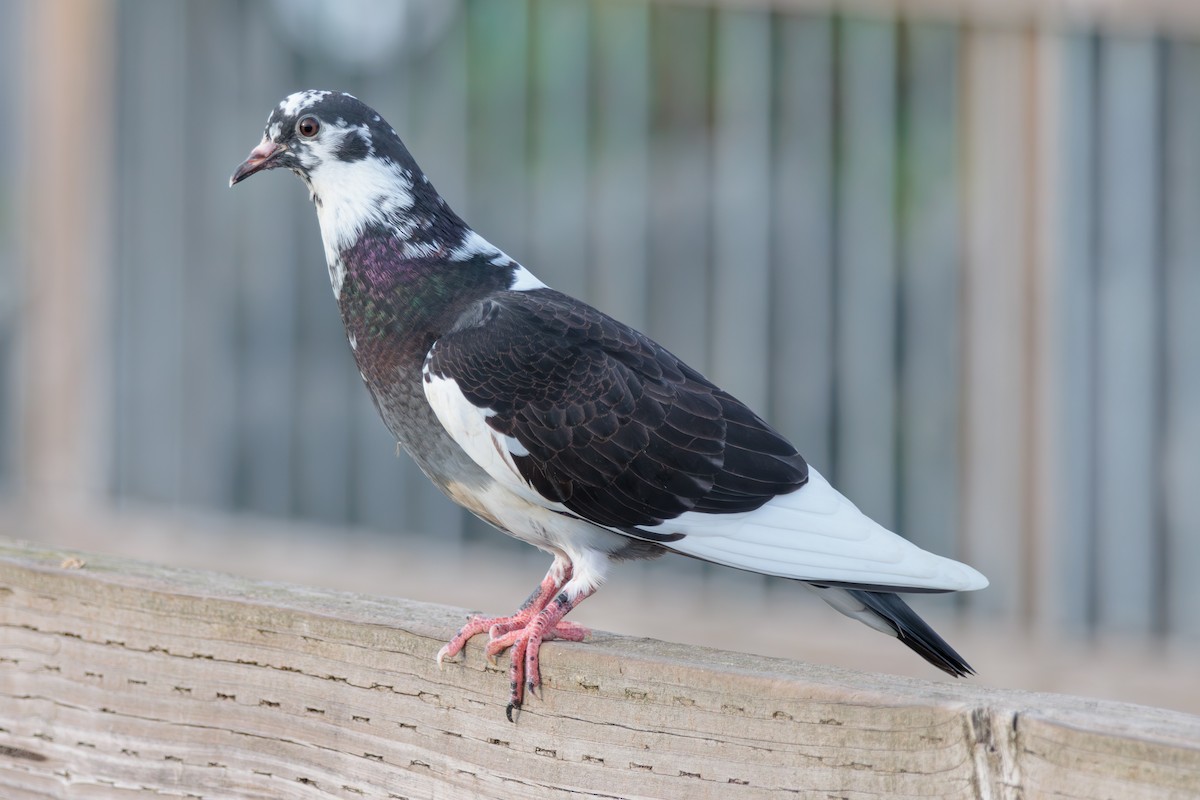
(550, 586)
(539, 619)
(525, 673)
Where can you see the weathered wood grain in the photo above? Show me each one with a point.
(118, 677)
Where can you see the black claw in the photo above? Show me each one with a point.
(508, 712)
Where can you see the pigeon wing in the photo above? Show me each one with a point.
(579, 412)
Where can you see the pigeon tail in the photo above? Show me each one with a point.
(888, 613)
(815, 534)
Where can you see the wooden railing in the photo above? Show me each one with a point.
(118, 677)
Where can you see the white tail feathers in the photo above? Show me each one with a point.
(815, 534)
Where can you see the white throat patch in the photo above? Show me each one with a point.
(351, 195)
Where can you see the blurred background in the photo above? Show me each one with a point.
(952, 249)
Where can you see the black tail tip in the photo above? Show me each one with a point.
(914, 632)
(939, 653)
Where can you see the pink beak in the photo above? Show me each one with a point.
(258, 160)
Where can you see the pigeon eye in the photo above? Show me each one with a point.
(308, 127)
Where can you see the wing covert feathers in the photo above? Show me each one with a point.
(583, 415)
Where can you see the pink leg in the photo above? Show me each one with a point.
(539, 619)
(525, 674)
(550, 586)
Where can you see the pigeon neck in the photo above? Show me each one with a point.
(374, 196)
(397, 296)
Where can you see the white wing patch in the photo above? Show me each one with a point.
(510, 502)
(816, 534)
(467, 425)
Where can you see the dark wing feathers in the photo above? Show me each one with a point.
(617, 429)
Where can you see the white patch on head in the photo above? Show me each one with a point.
(365, 132)
(294, 103)
(353, 340)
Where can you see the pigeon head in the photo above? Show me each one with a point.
(357, 170)
(318, 133)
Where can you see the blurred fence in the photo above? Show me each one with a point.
(9, 256)
(954, 260)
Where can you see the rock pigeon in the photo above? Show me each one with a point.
(558, 424)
